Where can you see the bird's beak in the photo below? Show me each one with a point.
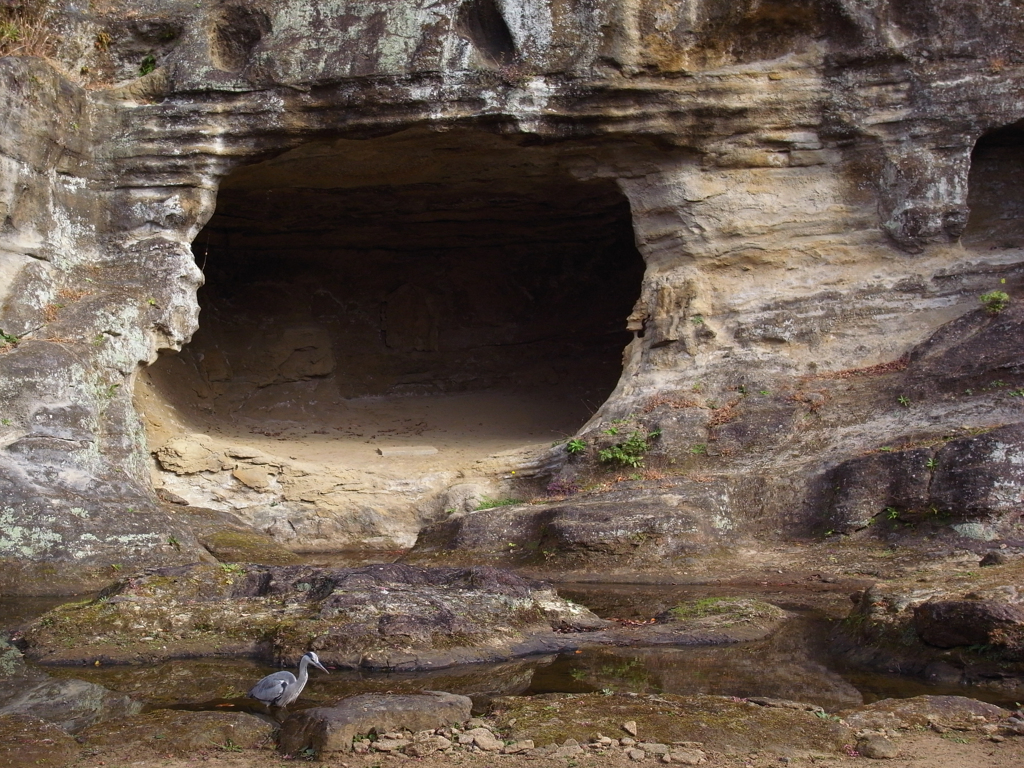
(318, 665)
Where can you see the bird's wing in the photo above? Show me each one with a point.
(271, 686)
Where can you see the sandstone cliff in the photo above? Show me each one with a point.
(761, 228)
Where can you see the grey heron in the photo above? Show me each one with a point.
(282, 688)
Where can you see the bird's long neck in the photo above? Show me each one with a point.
(303, 671)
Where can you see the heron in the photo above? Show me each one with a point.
(282, 688)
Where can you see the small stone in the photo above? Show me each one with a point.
(877, 748)
(390, 745)
(465, 738)
(570, 748)
(636, 755)
(427, 745)
(666, 758)
(476, 722)
(688, 756)
(518, 747)
(996, 738)
(361, 747)
(484, 739)
(627, 742)
(630, 727)
(995, 558)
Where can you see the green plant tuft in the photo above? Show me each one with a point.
(487, 503)
(631, 451)
(576, 445)
(995, 301)
(148, 65)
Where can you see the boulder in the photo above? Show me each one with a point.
(332, 729)
(950, 623)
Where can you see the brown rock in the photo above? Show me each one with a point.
(951, 623)
(923, 712)
(182, 732)
(427, 745)
(877, 748)
(484, 739)
(29, 741)
(331, 729)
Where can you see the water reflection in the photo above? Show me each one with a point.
(787, 665)
(794, 663)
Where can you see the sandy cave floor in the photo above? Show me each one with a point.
(464, 428)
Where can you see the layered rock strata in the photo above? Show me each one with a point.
(816, 190)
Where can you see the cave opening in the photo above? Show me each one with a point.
(451, 292)
(995, 192)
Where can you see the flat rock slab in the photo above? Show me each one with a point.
(331, 729)
(719, 722)
(385, 616)
(922, 711)
(29, 741)
(181, 732)
(407, 450)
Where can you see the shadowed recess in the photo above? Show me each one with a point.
(996, 190)
(409, 270)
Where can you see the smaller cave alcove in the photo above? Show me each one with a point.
(451, 290)
(996, 190)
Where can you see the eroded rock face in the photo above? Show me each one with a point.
(816, 189)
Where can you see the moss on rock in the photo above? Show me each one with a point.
(719, 722)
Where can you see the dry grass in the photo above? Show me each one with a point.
(813, 399)
(24, 29)
(723, 414)
(671, 402)
(892, 366)
(67, 295)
